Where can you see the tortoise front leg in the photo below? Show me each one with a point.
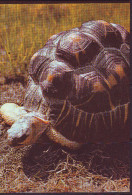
(57, 137)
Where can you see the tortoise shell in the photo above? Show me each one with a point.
(80, 79)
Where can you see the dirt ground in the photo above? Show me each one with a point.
(48, 167)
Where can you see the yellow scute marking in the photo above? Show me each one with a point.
(107, 83)
(86, 118)
(111, 119)
(112, 81)
(34, 56)
(120, 71)
(68, 112)
(63, 108)
(91, 120)
(78, 119)
(104, 22)
(83, 51)
(97, 86)
(77, 57)
(86, 101)
(111, 105)
(50, 77)
(126, 112)
(103, 118)
(42, 120)
(76, 38)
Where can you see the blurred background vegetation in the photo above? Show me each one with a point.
(25, 28)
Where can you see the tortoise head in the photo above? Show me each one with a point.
(26, 130)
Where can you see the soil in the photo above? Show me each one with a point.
(47, 167)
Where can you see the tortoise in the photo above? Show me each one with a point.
(78, 89)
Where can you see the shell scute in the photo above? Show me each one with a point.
(40, 61)
(104, 32)
(124, 33)
(54, 39)
(77, 48)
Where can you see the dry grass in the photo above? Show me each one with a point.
(50, 168)
(57, 170)
(26, 28)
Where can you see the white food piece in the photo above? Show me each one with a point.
(11, 112)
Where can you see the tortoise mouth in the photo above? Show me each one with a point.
(17, 142)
